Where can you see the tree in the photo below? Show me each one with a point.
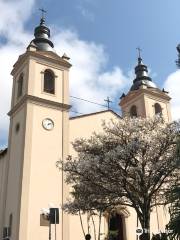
(174, 223)
(87, 199)
(173, 196)
(132, 163)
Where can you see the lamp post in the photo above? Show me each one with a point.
(52, 216)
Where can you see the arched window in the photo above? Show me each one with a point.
(158, 109)
(133, 111)
(20, 86)
(49, 82)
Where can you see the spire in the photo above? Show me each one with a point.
(42, 35)
(142, 77)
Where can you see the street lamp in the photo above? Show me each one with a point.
(52, 216)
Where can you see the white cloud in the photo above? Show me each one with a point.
(8, 56)
(172, 84)
(88, 77)
(14, 14)
(84, 7)
(86, 13)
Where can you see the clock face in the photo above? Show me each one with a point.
(48, 124)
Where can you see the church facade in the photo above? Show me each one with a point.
(41, 133)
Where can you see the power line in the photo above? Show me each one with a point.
(85, 100)
(92, 102)
(76, 112)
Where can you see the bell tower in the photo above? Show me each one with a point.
(38, 138)
(144, 98)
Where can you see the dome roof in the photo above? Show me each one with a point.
(42, 37)
(142, 77)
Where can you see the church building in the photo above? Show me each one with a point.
(40, 134)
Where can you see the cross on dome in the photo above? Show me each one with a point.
(139, 51)
(43, 12)
(139, 55)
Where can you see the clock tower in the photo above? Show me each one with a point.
(38, 138)
(144, 98)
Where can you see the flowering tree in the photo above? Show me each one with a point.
(174, 223)
(173, 196)
(132, 163)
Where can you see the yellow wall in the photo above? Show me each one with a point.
(34, 182)
(3, 185)
(83, 127)
(145, 99)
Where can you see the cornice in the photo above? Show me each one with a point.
(133, 94)
(158, 93)
(48, 56)
(39, 101)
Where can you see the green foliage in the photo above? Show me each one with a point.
(113, 233)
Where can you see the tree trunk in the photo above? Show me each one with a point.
(81, 223)
(145, 223)
(94, 226)
(99, 232)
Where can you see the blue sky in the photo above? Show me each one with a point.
(121, 26)
(101, 37)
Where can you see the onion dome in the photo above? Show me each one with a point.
(42, 37)
(142, 77)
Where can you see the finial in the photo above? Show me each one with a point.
(43, 15)
(65, 57)
(139, 55)
(122, 96)
(163, 90)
